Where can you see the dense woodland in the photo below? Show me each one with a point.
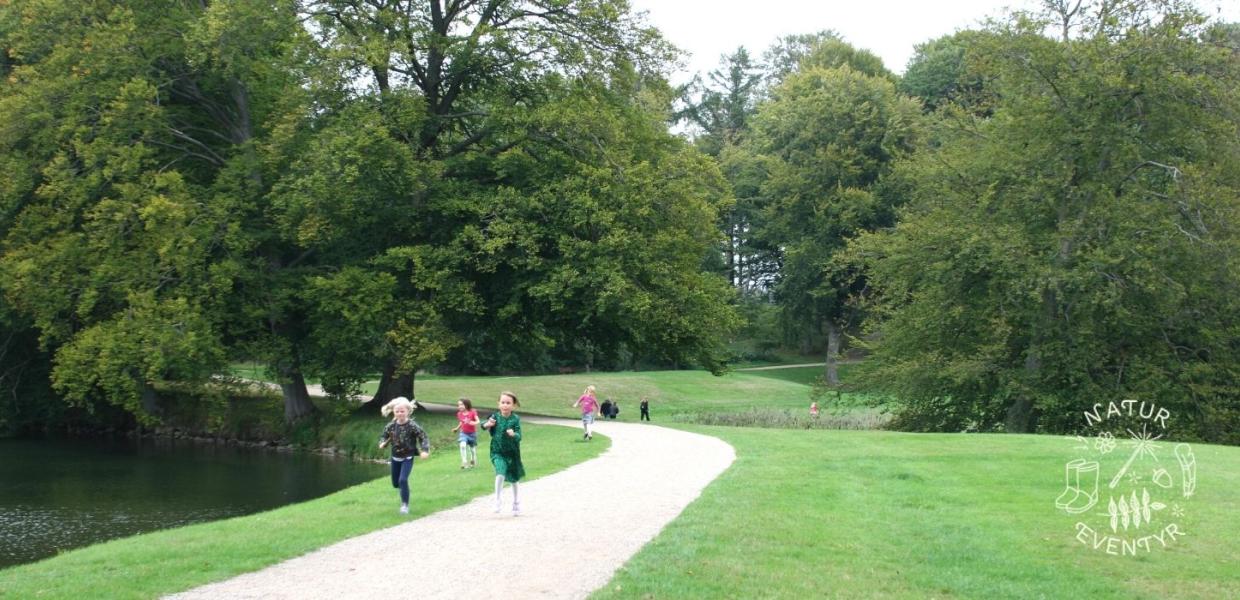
(1038, 215)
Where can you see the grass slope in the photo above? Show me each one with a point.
(163, 562)
(866, 514)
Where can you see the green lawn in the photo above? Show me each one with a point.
(163, 562)
(671, 392)
(878, 514)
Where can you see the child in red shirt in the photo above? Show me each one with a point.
(467, 426)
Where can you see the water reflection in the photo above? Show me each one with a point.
(58, 495)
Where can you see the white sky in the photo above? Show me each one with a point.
(888, 28)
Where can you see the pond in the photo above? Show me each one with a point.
(56, 495)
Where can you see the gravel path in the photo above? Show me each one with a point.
(576, 528)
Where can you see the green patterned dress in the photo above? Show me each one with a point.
(505, 450)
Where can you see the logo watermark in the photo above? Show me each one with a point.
(1126, 489)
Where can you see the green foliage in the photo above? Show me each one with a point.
(723, 107)
(120, 262)
(1077, 247)
(224, 410)
(208, 182)
(824, 49)
(939, 72)
(832, 134)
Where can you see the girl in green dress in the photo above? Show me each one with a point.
(505, 428)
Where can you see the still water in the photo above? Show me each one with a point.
(56, 495)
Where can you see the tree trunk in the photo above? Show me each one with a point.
(391, 385)
(150, 401)
(731, 252)
(833, 354)
(1019, 415)
(1020, 412)
(297, 404)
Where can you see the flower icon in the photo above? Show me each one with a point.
(1134, 478)
(1105, 442)
(1177, 510)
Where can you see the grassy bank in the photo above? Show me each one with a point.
(879, 514)
(149, 565)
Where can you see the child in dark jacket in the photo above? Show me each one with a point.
(405, 436)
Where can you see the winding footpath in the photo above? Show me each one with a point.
(576, 528)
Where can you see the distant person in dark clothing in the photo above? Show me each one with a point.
(605, 409)
(645, 406)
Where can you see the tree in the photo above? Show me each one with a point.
(824, 49)
(722, 108)
(832, 134)
(137, 221)
(589, 250)
(482, 96)
(939, 72)
(722, 111)
(1079, 246)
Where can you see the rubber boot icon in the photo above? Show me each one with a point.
(1080, 487)
(1188, 468)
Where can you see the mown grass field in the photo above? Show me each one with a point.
(881, 514)
(163, 562)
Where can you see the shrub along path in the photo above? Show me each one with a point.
(576, 528)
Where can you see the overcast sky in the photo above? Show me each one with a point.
(888, 28)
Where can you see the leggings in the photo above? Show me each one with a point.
(400, 477)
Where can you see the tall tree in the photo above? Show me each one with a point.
(450, 82)
(826, 49)
(1080, 245)
(722, 106)
(721, 109)
(832, 133)
(138, 211)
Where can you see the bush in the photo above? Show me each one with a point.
(784, 418)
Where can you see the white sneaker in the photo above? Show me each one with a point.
(404, 509)
(516, 509)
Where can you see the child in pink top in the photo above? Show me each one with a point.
(588, 405)
(813, 409)
(467, 425)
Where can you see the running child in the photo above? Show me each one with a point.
(505, 429)
(588, 405)
(467, 426)
(405, 436)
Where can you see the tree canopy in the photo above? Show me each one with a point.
(337, 189)
(1077, 246)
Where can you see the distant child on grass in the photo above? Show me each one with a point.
(405, 436)
(505, 428)
(645, 406)
(588, 404)
(467, 424)
(813, 409)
